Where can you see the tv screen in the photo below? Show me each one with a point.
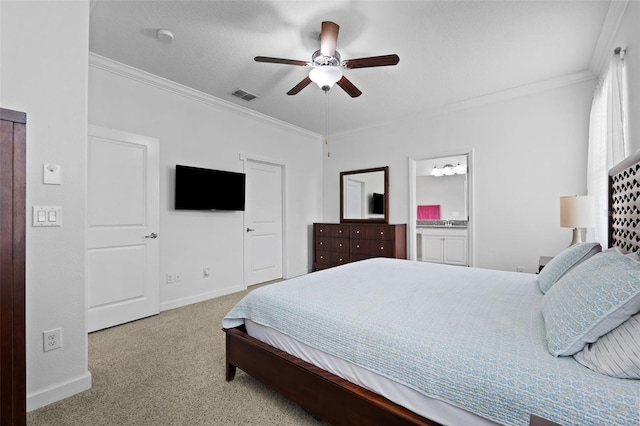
(207, 189)
(377, 203)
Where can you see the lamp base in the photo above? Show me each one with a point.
(577, 237)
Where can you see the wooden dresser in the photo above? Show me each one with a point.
(338, 243)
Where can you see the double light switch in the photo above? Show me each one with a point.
(47, 216)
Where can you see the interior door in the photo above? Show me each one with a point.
(263, 222)
(355, 199)
(123, 220)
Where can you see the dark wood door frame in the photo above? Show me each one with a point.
(12, 267)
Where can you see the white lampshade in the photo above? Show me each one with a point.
(578, 211)
(325, 76)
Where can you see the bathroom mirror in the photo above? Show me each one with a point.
(364, 195)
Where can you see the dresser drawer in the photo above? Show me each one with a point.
(371, 248)
(373, 232)
(331, 230)
(331, 258)
(332, 244)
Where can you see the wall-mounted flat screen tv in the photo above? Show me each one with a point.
(208, 189)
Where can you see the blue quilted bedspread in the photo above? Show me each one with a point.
(474, 338)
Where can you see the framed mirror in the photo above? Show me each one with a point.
(364, 195)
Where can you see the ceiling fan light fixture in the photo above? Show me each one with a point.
(326, 76)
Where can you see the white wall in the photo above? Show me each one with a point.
(44, 73)
(201, 131)
(527, 152)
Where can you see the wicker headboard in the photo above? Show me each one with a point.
(624, 204)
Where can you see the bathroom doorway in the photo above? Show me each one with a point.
(440, 209)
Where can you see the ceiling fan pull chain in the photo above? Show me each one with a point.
(326, 140)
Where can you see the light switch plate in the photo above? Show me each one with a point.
(47, 216)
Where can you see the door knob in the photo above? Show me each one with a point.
(250, 229)
(152, 235)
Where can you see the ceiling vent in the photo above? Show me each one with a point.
(243, 94)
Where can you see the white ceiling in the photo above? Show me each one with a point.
(450, 51)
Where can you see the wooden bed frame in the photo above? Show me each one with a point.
(340, 402)
(323, 394)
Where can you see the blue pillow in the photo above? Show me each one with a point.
(564, 262)
(592, 299)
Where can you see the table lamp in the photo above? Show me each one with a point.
(577, 212)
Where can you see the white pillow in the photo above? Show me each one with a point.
(617, 353)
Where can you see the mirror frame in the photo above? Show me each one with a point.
(386, 195)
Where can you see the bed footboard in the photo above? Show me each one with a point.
(325, 395)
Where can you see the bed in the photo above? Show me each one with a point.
(389, 341)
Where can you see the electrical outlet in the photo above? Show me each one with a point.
(178, 277)
(520, 269)
(205, 272)
(171, 277)
(52, 339)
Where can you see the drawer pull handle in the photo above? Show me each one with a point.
(321, 243)
(358, 231)
(321, 257)
(320, 230)
(382, 248)
(340, 259)
(340, 244)
(381, 232)
(340, 231)
(357, 245)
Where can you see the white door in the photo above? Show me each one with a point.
(123, 220)
(263, 222)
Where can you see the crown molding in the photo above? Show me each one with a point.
(604, 46)
(118, 68)
(500, 96)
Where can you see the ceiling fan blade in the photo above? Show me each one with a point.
(298, 87)
(329, 38)
(280, 61)
(372, 61)
(348, 87)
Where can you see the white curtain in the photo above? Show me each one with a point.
(608, 144)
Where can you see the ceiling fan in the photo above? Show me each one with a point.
(327, 65)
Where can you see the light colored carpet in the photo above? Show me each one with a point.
(169, 370)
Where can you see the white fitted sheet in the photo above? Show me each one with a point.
(431, 408)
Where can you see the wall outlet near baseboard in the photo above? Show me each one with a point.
(171, 277)
(519, 268)
(52, 339)
(206, 272)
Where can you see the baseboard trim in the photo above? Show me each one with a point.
(178, 303)
(58, 392)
